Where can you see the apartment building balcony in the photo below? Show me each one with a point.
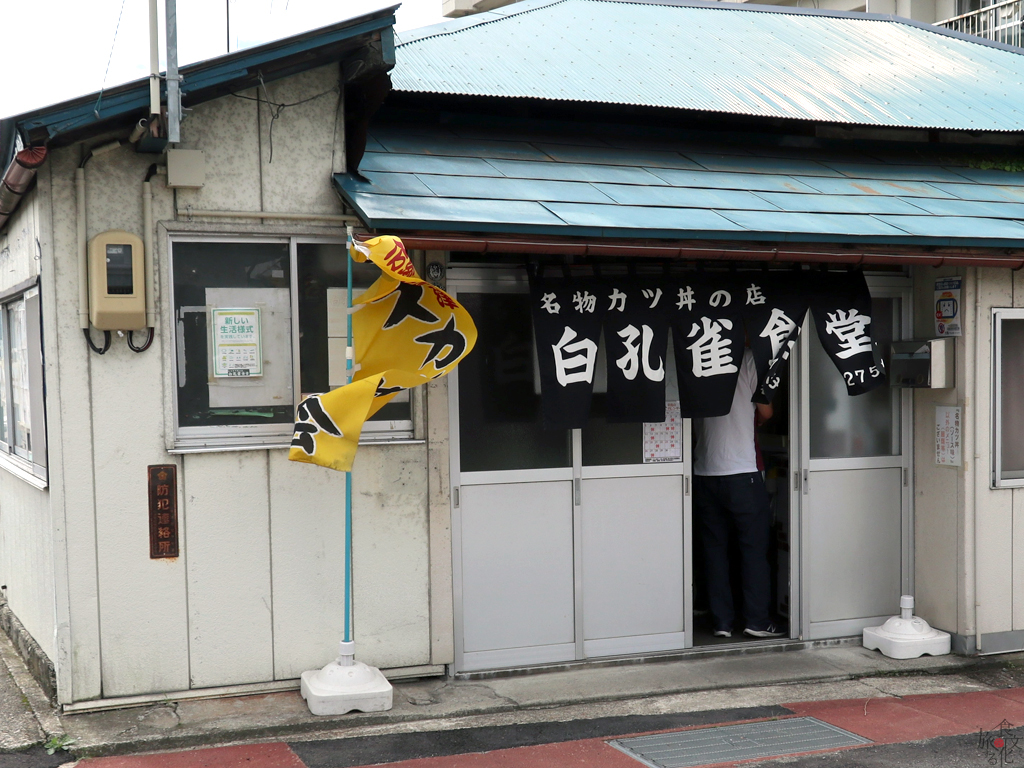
(1000, 22)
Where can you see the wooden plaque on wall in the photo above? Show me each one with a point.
(163, 510)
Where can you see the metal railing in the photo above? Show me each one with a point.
(1000, 22)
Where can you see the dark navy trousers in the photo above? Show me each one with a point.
(739, 503)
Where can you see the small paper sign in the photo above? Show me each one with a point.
(948, 423)
(663, 441)
(947, 307)
(237, 344)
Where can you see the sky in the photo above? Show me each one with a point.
(67, 48)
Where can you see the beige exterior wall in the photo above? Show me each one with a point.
(969, 574)
(257, 594)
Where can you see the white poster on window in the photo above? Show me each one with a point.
(947, 307)
(948, 423)
(237, 343)
(663, 441)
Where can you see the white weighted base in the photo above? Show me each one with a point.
(345, 685)
(907, 636)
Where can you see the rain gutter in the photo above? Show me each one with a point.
(718, 251)
(17, 178)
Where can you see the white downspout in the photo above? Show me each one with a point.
(83, 256)
(148, 243)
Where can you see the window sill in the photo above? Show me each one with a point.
(213, 447)
(22, 469)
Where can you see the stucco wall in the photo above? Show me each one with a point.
(257, 594)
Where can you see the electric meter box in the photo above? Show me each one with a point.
(926, 364)
(117, 280)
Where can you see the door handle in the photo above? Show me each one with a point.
(796, 480)
(807, 483)
(686, 485)
(455, 493)
(576, 490)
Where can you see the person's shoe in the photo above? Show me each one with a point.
(723, 633)
(770, 631)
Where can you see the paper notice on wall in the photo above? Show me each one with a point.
(663, 440)
(237, 343)
(947, 307)
(948, 429)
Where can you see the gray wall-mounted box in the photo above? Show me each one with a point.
(927, 363)
(186, 168)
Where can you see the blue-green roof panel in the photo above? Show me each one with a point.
(766, 61)
(422, 189)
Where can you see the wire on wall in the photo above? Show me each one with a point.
(144, 347)
(276, 108)
(98, 350)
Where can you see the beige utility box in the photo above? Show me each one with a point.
(186, 168)
(117, 282)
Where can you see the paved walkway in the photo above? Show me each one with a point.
(556, 718)
(925, 720)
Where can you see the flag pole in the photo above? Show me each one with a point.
(346, 684)
(349, 354)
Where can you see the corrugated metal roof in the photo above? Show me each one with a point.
(465, 180)
(722, 57)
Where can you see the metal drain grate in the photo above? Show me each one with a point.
(727, 743)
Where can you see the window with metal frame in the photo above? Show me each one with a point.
(22, 410)
(1008, 398)
(260, 323)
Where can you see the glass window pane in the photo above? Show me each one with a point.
(323, 327)
(21, 417)
(219, 275)
(608, 444)
(1011, 405)
(500, 425)
(866, 425)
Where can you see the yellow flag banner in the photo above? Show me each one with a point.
(406, 333)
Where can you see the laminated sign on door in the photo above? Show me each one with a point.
(712, 317)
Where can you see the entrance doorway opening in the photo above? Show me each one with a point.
(773, 447)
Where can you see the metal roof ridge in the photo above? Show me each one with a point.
(487, 17)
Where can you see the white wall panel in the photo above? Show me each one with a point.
(994, 507)
(307, 524)
(391, 561)
(26, 557)
(227, 546)
(938, 491)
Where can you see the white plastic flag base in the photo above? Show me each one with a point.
(345, 685)
(907, 636)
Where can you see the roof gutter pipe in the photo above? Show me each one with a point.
(17, 178)
(693, 250)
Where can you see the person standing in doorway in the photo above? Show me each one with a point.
(730, 495)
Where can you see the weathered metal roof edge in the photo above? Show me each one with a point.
(77, 113)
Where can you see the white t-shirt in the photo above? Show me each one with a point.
(725, 444)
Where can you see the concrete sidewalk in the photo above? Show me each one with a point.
(728, 679)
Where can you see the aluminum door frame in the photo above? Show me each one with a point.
(511, 280)
(880, 286)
